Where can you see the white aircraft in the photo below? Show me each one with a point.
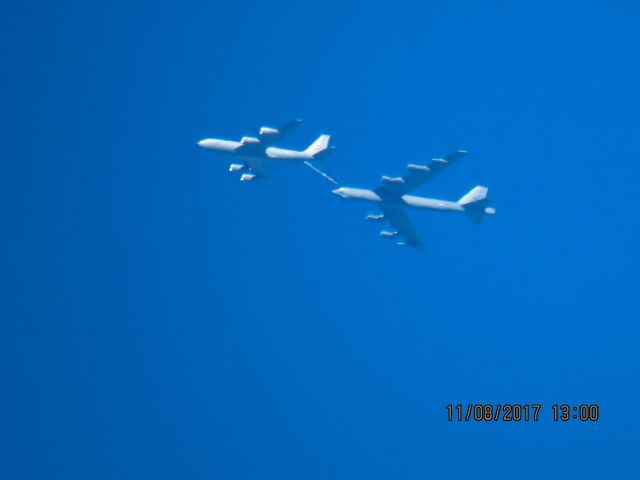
(392, 197)
(253, 151)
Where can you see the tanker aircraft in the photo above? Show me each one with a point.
(252, 151)
(392, 196)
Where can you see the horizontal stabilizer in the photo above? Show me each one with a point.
(476, 204)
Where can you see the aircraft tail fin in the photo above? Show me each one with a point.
(476, 204)
(320, 146)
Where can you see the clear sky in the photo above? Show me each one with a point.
(159, 319)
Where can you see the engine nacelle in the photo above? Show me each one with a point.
(269, 131)
(236, 167)
(249, 140)
(418, 168)
(247, 177)
(375, 218)
(392, 179)
(387, 234)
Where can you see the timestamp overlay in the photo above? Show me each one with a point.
(522, 412)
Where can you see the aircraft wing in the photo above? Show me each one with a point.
(256, 166)
(417, 175)
(269, 135)
(251, 146)
(397, 217)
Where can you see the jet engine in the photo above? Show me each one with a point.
(247, 177)
(375, 218)
(392, 179)
(235, 167)
(387, 234)
(269, 131)
(249, 140)
(418, 168)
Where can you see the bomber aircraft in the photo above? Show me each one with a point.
(392, 196)
(252, 151)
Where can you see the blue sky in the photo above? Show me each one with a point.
(160, 319)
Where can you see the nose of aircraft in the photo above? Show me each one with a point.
(200, 143)
(336, 191)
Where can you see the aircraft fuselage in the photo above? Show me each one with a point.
(409, 200)
(258, 152)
